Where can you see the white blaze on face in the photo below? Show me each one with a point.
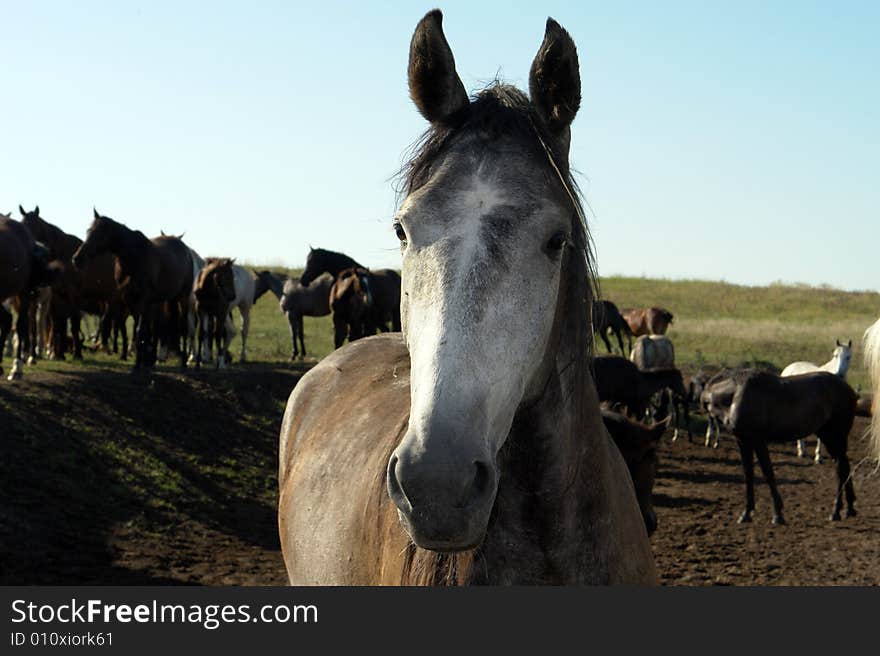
(476, 316)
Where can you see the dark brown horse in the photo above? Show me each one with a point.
(647, 321)
(638, 446)
(382, 286)
(148, 274)
(91, 289)
(24, 266)
(620, 381)
(214, 291)
(606, 318)
(760, 408)
(470, 448)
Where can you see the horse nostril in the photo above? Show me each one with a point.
(478, 486)
(395, 489)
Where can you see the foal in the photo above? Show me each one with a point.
(298, 301)
(214, 293)
(758, 408)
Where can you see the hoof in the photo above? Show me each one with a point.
(15, 375)
(745, 518)
(850, 512)
(31, 360)
(778, 520)
(835, 517)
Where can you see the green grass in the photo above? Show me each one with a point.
(715, 322)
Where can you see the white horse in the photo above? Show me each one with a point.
(872, 362)
(837, 365)
(249, 287)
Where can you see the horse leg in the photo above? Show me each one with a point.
(616, 332)
(687, 417)
(817, 456)
(746, 452)
(5, 329)
(837, 450)
(395, 318)
(302, 336)
(75, 325)
(291, 322)
(245, 324)
(340, 331)
(21, 330)
(767, 467)
(604, 335)
(220, 340)
(801, 448)
(843, 482)
(123, 329)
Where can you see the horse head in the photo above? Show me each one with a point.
(490, 232)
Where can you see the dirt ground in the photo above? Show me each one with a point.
(108, 479)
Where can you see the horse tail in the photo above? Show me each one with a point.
(872, 362)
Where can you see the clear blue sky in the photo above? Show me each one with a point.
(736, 141)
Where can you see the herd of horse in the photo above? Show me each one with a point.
(180, 303)
(478, 438)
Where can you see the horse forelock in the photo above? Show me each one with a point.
(503, 110)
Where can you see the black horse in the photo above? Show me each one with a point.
(607, 317)
(759, 407)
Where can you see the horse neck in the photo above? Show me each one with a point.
(334, 263)
(129, 246)
(834, 366)
(261, 286)
(551, 495)
(654, 381)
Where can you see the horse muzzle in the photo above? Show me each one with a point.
(443, 499)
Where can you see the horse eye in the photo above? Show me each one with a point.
(557, 241)
(400, 232)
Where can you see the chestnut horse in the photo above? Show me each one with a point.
(647, 321)
(470, 448)
(349, 306)
(148, 274)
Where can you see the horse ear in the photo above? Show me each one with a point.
(37, 210)
(555, 79)
(838, 342)
(434, 85)
(849, 344)
(97, 216)
(21, 209)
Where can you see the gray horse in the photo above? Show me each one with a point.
(298, 301)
